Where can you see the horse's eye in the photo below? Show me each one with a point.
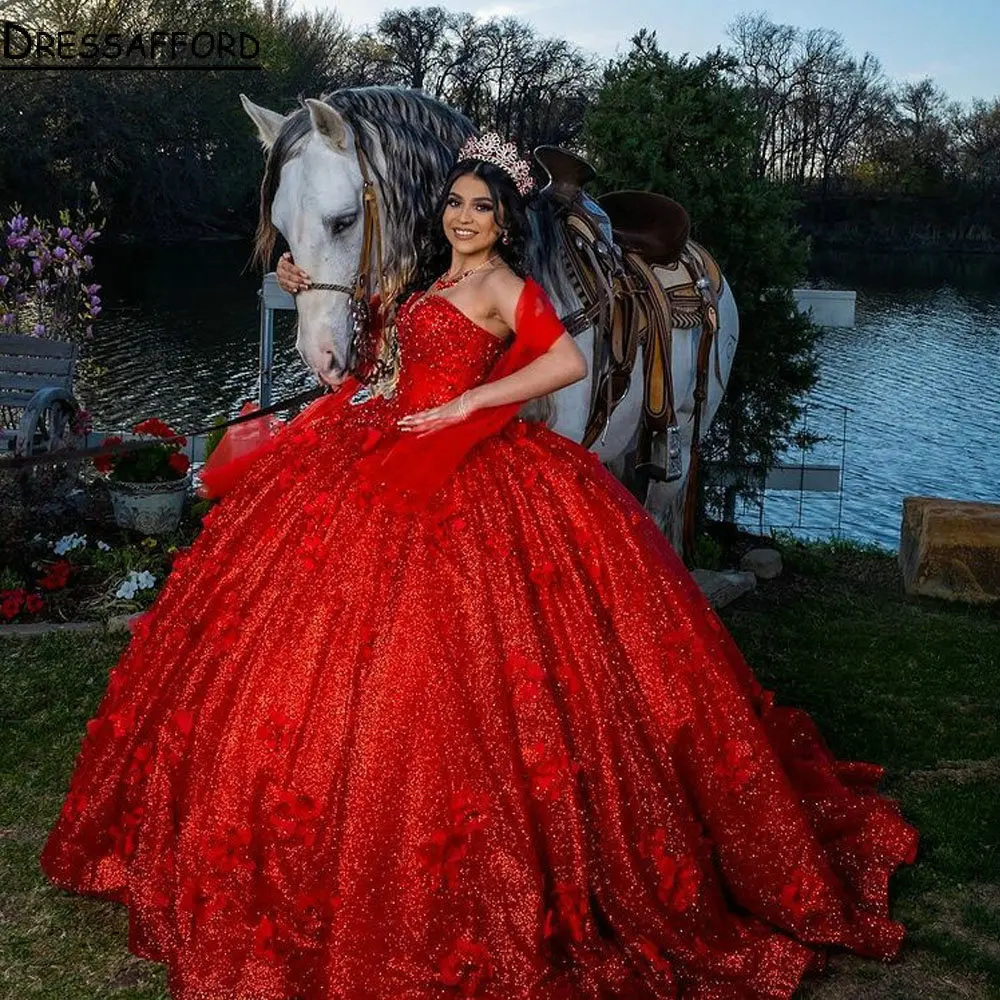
(338, 225)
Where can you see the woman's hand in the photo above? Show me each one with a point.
(452, 412)
(290, 276)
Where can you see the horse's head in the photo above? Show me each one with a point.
(313, 187)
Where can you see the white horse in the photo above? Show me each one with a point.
(312, 194)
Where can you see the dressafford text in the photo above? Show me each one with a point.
(26, 48)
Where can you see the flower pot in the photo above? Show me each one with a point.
(149, 508)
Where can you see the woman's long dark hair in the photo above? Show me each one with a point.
(509, 210)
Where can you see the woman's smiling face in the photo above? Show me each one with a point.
(469, 217)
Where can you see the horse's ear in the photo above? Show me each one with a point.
(269, 123)
(327, 121)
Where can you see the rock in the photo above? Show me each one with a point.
(950, 549)
(765, 564)
(723, 588)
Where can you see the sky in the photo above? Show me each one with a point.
(955, 42)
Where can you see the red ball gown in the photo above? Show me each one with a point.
(496, 745)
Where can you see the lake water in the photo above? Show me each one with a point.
(920, 373)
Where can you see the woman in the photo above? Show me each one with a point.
(432, 709)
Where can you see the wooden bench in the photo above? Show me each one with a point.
(37, 406)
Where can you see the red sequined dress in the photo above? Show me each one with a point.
(496, 747)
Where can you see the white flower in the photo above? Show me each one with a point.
(69, 542)
(135, 582)
(103, 546)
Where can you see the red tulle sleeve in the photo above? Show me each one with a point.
(239, 448)
(415, 467)
(243, 444)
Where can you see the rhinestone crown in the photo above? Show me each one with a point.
(492, 149)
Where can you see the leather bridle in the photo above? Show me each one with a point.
(360, 293)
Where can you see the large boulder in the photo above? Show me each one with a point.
(951, 549)
(765, 564)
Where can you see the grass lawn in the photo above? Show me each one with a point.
(913, 685)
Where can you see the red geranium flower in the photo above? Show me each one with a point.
(103, 463)
(33, 603)
(157, 428)
(11, 602)
(57, 576)
(179, 462)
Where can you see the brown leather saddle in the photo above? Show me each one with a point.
(652, 279)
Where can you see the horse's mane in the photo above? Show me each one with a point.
(419, 137)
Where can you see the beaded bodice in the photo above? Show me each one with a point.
(442, 351)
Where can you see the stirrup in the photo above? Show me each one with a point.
(658, 454)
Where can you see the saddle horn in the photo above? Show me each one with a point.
(566, 171)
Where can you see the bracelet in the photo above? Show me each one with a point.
(463, 408)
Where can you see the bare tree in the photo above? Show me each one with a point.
(815, 101)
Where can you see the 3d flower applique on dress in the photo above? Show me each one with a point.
(227, 849)
(469, 810)
(734, 766)
(525, 678)
(679, 877)
(441, 855)
(124, 834)
(543, 574)
(313, 551)
(275, 732)
(802, 894)
(293, 817)
(141, 765)
(202, 898)
(467, 967)
(568, 914)
(549, 773)
(316, 908)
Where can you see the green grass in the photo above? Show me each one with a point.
(913, 685)
(910, 684)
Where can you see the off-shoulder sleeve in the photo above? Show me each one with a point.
(410, 469)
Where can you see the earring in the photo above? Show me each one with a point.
(505, 239)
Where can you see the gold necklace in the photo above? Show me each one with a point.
(445, 282)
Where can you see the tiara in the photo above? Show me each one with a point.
(492, 149)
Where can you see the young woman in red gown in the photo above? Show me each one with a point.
(428, 715)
